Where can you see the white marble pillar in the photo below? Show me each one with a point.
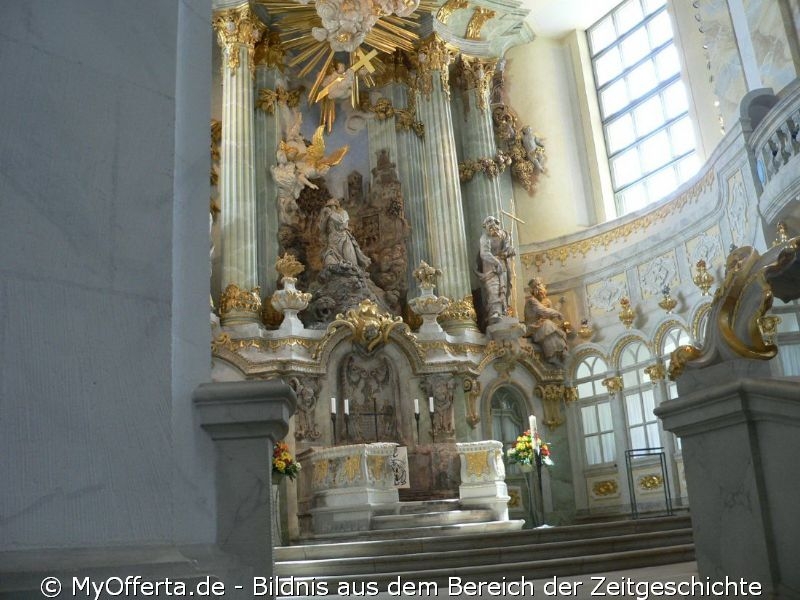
(657, 373)
(238, 30)
(615, 386)
(444, 211)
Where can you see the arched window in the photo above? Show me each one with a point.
(509, 416)
(595, 406)
(638, 396)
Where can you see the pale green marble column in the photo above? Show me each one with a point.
(271, 92)
(482, 195)
(238, 30)
(444, 211)
(411, 168)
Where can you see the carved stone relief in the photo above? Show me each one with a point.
(737, 209)
(605, 294)
(371, 385)
(306, 389)
(705, 247)
(660, 272)
(442, 388)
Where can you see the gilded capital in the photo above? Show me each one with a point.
(433, 55)
(237, 27)
(613, 384)
(476, 74)
(460, 310)
(656, 372)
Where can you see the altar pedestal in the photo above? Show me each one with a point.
(349, 484)
(483, 477)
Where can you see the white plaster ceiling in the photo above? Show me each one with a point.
(554, 18)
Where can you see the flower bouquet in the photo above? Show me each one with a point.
(283, 464)
(529, 449)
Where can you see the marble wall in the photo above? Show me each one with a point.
(103, 298)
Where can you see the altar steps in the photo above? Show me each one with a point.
(536, 553)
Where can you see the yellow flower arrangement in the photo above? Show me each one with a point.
(283, 463)
(527, 447)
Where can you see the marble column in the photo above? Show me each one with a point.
(411, 168)
(657, 373)
(444, 212)
(615, 386)
(271, 92)
(482, 193)
(238, 30)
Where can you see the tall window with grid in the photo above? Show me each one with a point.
(638, 396)
(598, 428)
(643, 103)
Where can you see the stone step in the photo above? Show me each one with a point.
(514, 571)
(408, 559)
(429, 519)
(332, 541)
(487, 535)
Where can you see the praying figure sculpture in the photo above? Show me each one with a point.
(494, 268)
(339, 244)
(543, 324)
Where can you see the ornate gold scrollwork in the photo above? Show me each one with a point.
(369, 326)
(607, 487)
(552, 394)
(236, 299)
(477, 463)
(656, 372)
(472, 391)
(651, 482)
(433, 54)
(459, 310)
(268, 99)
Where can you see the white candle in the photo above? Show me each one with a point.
(430, 404)
(346, 406)
(416, 406)
(532, 424)
(333, 406)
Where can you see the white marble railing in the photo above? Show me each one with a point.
(775, 144)
(776, 139)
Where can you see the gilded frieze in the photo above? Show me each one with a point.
(582, 247)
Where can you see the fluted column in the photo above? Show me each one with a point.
(238, 30)
(444, 211)
(482, 191)
(272, 99)
(411, 167)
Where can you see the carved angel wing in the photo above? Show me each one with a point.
(315, 153)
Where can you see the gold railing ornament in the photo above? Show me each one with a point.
(626, 314)
(738, 327)
(668, 303)
(703, 279)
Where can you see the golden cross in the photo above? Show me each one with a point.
(364, 61)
